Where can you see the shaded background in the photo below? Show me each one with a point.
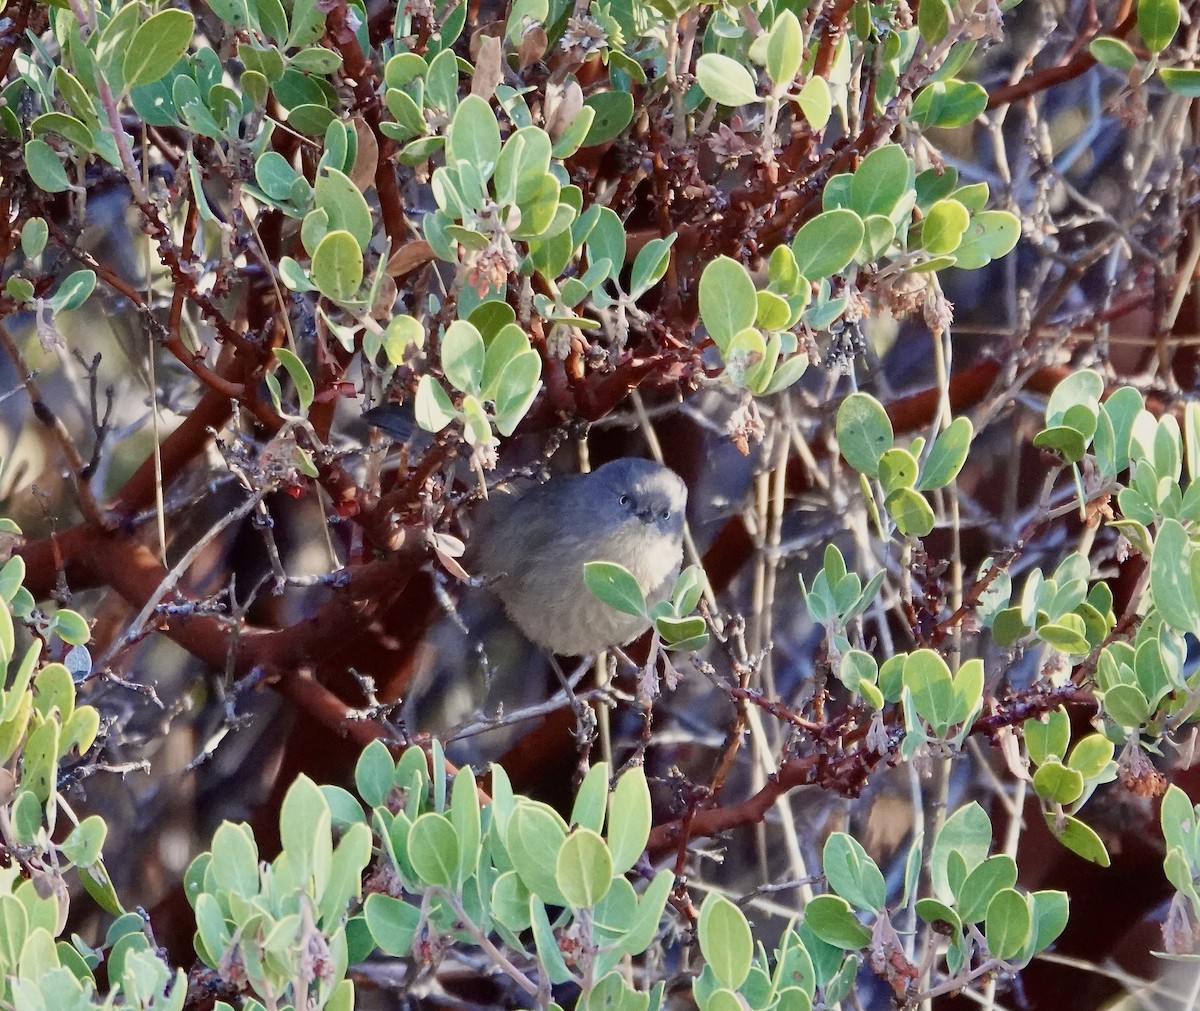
(1103, 176)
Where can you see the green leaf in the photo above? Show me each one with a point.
(725, 80)
(71, 627)
(897, 469)
(275, 175)
(744, 355)
(1063, 440)
(650, 265)
(827, 243)
(572, 138)
(433, 849)
(272, 19)
(644, 926)
(1177, 818)
(857, 668)
(54, 692)
(474, 136)
(912, 514)
(613, 112)
(629, 819)
(1170, 577)
(864, 432)
(1091, 756)
(949, 104)
(584, 870)
(441, 82)
(933, 20)
(725, 940)
(832, 920)
(928, 678)
(157, 45)
(591, 799)
(307, 24)
(44, 168)
(20, 288)
(1157, 21)
(27, 809)
(12, 575)
(785, 50)
(1116, 54)
(880, 181)
(337, 266)
(410, 122)
(937, 913)
(1055, 783)
(1050, 910)
(299, 376)
(616, 586)
(505, 342)
(345, 207)
(34, 234)
(433, 408)
(1078, 838)
(393, 923)
(991, 234)
(14, 926)
(235, 860)
(317, 60)
(65, 126)
(947, 456)
(373, 773)
(403, 69)
(983, 883)
(82, 847)
(816, 102)
(1048, 736)
(688, 589)
(463, 355)
(683, 634)
(401, 333)
(1127, 706)
(294, 276)
(305, 831)
(516, 388)
(1082, 388)
(1008, 923)
(534, 835)
(728, 301)
(549, 954)
(1068, 634)
(943, 227)
(115, 43)
(973, 197)
(75, 289)
(1181, 80)
(967, 833)
(467, 821)
(510, 902)
(852, 873)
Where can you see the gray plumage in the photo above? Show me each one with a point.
(534, 547)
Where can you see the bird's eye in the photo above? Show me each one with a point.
(666, 514)
(624, 500)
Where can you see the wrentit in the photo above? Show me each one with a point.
(533, 549)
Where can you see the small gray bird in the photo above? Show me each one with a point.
(534, 547)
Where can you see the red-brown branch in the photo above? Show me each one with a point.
(1077, 65)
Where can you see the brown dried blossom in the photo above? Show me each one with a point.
(584, 35)
(1138, 774)
(728, 145)
(745, 426)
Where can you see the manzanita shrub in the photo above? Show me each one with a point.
(235, 228)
